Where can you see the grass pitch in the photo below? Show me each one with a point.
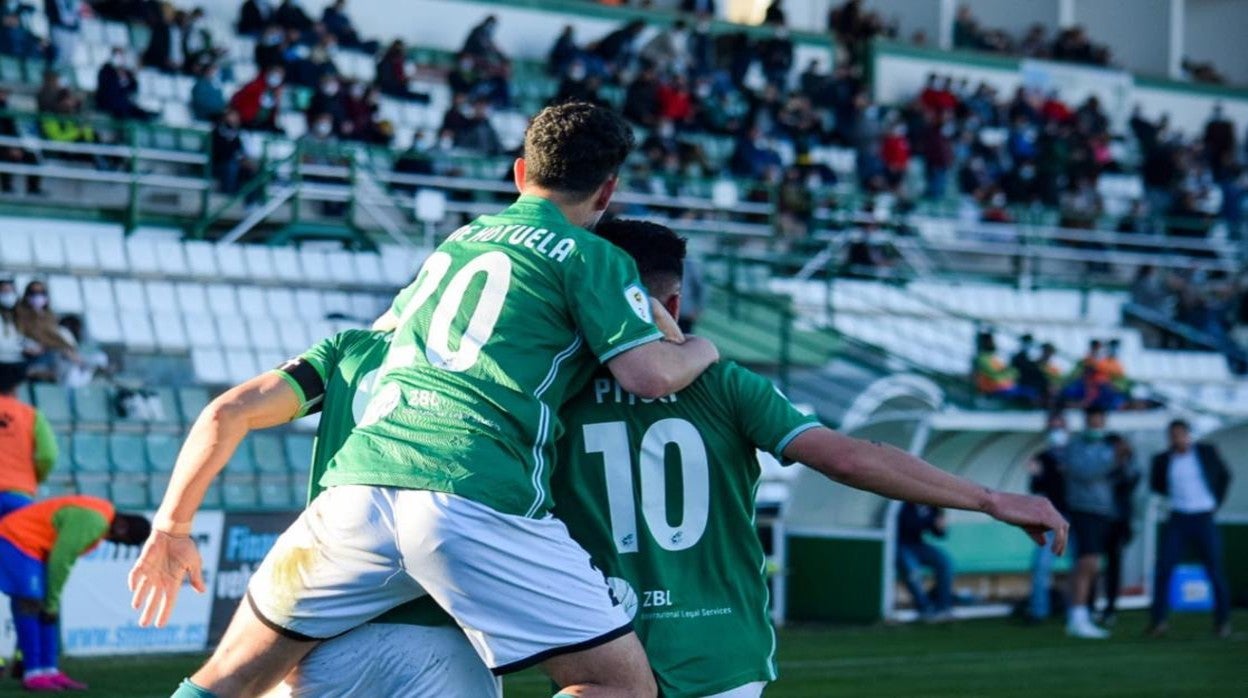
(972, 658)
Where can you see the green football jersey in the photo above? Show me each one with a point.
(506, 320)
(661, 494)
(335, 378)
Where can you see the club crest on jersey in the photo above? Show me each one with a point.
(639, 302)
(623, 595)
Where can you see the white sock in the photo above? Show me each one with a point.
(1079, 615)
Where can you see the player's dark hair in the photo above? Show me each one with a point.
(657, 249)
(1179, 424)
(573, 148)
(129, 529)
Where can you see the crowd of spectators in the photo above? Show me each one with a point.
(1214, 306)
(1070, 44)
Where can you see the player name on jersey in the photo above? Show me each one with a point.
(537, 239)
(608, 391)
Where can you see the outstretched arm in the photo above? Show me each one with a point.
(893, 473)
(170, 556)
(658, 369)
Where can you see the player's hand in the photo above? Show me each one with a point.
(667, 325)
(158, 574)
(1035, 515)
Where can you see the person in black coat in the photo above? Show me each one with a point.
(254, 16)
(1195, 480)
(291, 17)
(116, 88)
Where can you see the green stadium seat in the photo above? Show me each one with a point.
(162, 451)
(267, 454)
(298, 492)
(191, 401)
(53, 402)
(169, 414)
(90, 452)
(130, 495)
(156, 486)
(57, 488)
(241, 464)
(212, 498)
(94, 488)
(128, 452)
(240, 495)
(91, 405)
(65, 452)
(298, 450)
(276, 494)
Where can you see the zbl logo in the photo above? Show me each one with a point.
(623, 594)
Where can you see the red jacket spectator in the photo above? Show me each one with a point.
(259, 101)
(1055, 110)
(675, 103)
(895, 151)
(938, 100)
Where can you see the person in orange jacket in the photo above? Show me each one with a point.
(39, 545)
(27, 445)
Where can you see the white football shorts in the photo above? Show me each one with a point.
(749, 690)
(522, 590)
(385, 659)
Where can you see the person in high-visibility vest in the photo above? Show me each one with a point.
(27, 445)
(39, 545)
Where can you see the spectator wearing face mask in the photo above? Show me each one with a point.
(230, 165)
(328, 99)
(259, 102)
(14, 346)
(579, 86)
(208, 101)
(393, 74)
(15, 154)
(669, 48)
(40, 325)
(1048, 481)
(117, 88)
(64, 23)
(270, 48)
(473, 131)
(291, 17)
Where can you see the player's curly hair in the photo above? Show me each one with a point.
(573, 148)
(657, 249)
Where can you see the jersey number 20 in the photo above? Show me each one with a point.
(497, 269)
(611, 440)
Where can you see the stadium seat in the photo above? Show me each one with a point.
(213, 497)
(337, 303)
(130, 296)
(16, 251)
(156, 486)
(201, 331)
(230, 261)
(320, 329)
(90, 452)
(201, 258)
(315, 266)
(191, 401)
(104, 326)
(368, 269)
(298, 450)
(341, 266)
(294, 336)
(128, 453)
(141, 252)
(367, 306)
(222, 300)
(399, 264)
(171, 257)
(53, 401)
(136, 332)
(48, 252)
(310, 304)
(97, 294)
(232, 333)
(65, 294)
(209, 366)
(240, 365)
(80, 253)
(240, 495)
(161, 296)
(93, 485)
(130, 495)
(92, 405)
(275, 493)
(259, 260)
(253, 302)
(280, 303)
(264, 335)
(286, 264)
(192, 299)
(162, 451)
(268, 454)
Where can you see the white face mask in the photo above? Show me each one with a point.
(1058, 438)
(273, 79)
(324, 128)
(38, 301)
(446, 143)
(8, 299)
(330, 89)
(577, 73)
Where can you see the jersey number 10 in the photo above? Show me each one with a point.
(611, 440)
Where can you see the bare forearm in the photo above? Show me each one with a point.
(886, 471)
(210, 444)
(659, 369)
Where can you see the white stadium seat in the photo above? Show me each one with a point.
(337, 303)
(209, 366)
(171, 257)
(280, 303)
(230, 262)
(103, 325)
(49, 252)
(286, 264)
(342, 268)
(368, 269)
(15, 250)
(80, 252)
(136, 331)
(240, 365)
(259, 259)
(232, 333)
(222, 300)
(141, 253)
(201, 258)
(252, 302)
(201, 331)
(65, 294)
(263, 333)
(170, 332)
(130, 296)
(293, 335)
(161, 296)
(315, 266)
(192, 299)
(97, 294)
(309, 304)
(367, 306)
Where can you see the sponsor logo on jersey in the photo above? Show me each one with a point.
(623, 595)
(639, 302)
